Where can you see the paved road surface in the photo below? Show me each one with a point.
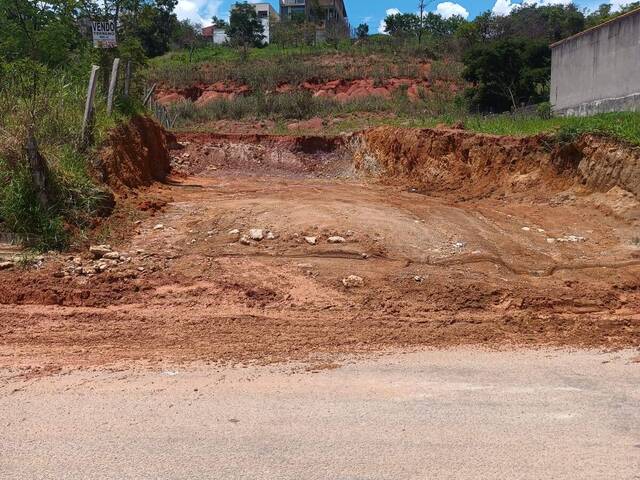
(459, 414)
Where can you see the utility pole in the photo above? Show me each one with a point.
(421, 7)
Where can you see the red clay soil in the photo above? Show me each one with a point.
(456, 262)
(341, 90)
(135, 155)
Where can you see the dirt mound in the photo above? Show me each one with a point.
(476, 165)
(136, 155)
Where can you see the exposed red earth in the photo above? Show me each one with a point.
(340, 90)
(259, 248)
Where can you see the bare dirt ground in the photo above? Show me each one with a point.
(435, 270)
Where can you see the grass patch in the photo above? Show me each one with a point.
(50, 102)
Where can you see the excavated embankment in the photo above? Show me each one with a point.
(135, 155)
(476, 165)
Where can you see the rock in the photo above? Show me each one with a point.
(571, 238)
(304, 265)
(526, 229)
(87, 270)
(256, 234)
(99, 251)
(77, 261)
(551, 240)
(233, 232)
(353, 281)
(6, 265)
(336, 239)
(271, 236)
(245, 240)
(159, 227)
(418, 279)
(111, 256)
(101, 267)
(311, 240)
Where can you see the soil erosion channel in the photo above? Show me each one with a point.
(273, 249)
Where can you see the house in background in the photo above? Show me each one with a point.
(332, 10)
(215, 35)
(598, 70)
(266, 14)
(326, 14)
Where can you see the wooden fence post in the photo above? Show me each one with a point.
(39, 170)
(148, 95)
(127, 79)
(88, 108)
(112, 85)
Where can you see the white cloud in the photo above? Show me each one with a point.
(199, 11)
(505, 7)
(382, 28)
(617, 4)
(449, 9)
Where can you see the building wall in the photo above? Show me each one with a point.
(598, 70)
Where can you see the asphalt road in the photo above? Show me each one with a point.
(459, 414)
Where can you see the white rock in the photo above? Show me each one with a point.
(353, 281)
(256, 234)
(77, 261)
(99, 251)
(526, 229)
(159, 227)
(311, 240)
(271, 236)
(418, 279)
(233, 232)
(245, 240)
(551, 240)
(336, 239)
(111, 256)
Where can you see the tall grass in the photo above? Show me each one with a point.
(301, 105)
(50, 103)
(270, 66)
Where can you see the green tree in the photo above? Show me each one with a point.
(245, 29)
(402, 24)
(506, 73)
(219, 22)
(362, 31)
(43, 31)
(605, 12)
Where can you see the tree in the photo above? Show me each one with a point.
(507, 73)
(43, 31)
(362, 31)
(402, 24)
(245, 29)
(219, 22)
(188, 35)
(605, 13)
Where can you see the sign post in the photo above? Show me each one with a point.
(104, 34)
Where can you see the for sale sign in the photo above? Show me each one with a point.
(104, 34)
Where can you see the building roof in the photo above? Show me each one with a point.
(597, 27)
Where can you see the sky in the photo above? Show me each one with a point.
(373, 12)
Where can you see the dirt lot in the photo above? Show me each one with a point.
(412, 267)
